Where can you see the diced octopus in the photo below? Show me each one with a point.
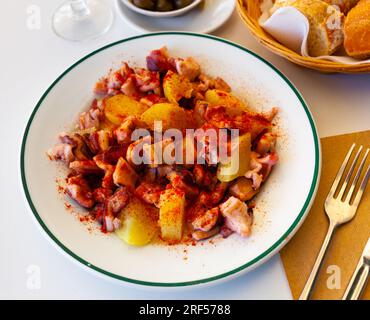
(61, 151)
(101, 87)
(124, 131)
(208, 143)
(79, 190)
(118, 200)
(125, 175)
(254, 172)
(199, 111)
(154, 154)
(163, 170)
(213, 197)
(107, 181)
(78, 144)
(149, 192)
(129, 88)
(203, 177)
(100, 141)
(268, 161)
(158, 61)
(148, 81)
(150, 175)
(107, 166)
(260, 168)
(225, 232)
(112, 155)
(85, 167)
(266, 143)
(152, 99)
(101, 194)
(188, 68)
(237, 216)
(90, 119)
(125, 70)
(113, 205)
(183, 180)
(115, 79)
(207, 221)
(134, 154)
(203, 235)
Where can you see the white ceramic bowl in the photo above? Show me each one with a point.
(281, 205)
(205, 18)
(159, 14)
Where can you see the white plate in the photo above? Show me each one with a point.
(205, 18)
(281, 205)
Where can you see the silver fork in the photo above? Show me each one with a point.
(360, 277)
(339, 209)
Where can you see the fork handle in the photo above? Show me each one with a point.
(307, 290)
(358, 281)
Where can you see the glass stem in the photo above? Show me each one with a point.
(80, 8)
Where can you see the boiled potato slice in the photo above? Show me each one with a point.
(107, 125)
(242, 188)
(139, 223)
(172, 214)
(176, 87)
(118, 107)
(237, 166)
(218, 97)
(171, 115)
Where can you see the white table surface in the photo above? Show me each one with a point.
(30, 61)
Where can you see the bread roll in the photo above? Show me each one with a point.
(357, 31)
(344, 5)
(326, 24)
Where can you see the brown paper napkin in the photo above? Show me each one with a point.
(349, 240)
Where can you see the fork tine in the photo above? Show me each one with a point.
(340, 173)
(353, 185)
(360, 191)
(349, 174)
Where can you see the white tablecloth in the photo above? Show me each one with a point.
(30, 61)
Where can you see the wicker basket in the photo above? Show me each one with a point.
(249, 11)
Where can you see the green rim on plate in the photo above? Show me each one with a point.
(263, 255)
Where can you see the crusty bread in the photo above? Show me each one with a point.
(326, 24)
(344, 5)
(357, 31)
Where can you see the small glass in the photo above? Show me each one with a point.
(80, 20)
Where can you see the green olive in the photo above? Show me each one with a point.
(164, 5)
(182, 3)
(144, 4)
